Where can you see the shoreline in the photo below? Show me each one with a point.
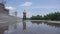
(49, 21)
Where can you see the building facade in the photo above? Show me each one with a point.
(3, 9)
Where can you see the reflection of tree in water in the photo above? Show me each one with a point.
(53, 24)
(50, 24)
(37, 22)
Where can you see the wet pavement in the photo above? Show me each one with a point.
(31, 27)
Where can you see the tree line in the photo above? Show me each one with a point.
(50, 16)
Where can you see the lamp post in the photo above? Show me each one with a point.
(16, 15)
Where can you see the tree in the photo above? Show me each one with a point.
(38, 17)
(50, 16)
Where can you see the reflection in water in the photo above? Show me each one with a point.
(3, 29)
(37, 22)
(15, 26)
(30, 28)
(11, 28)
(50, 24)
(53, 24)
(24, 25)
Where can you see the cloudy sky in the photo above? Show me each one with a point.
(33, 7)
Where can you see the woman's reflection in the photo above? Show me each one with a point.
(24, 25)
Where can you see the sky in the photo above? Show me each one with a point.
(32, 7)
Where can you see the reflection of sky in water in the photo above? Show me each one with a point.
(33, 28)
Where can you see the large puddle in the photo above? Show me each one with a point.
(31, 27)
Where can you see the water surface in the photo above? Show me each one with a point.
(31, 27)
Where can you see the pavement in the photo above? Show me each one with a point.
(7, 19)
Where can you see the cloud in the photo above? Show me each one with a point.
(10, 8)
(47, 6)
(27, 4)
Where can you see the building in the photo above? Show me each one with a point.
(3, 9)
(5, 18)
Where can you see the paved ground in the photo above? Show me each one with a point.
(7, 19)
